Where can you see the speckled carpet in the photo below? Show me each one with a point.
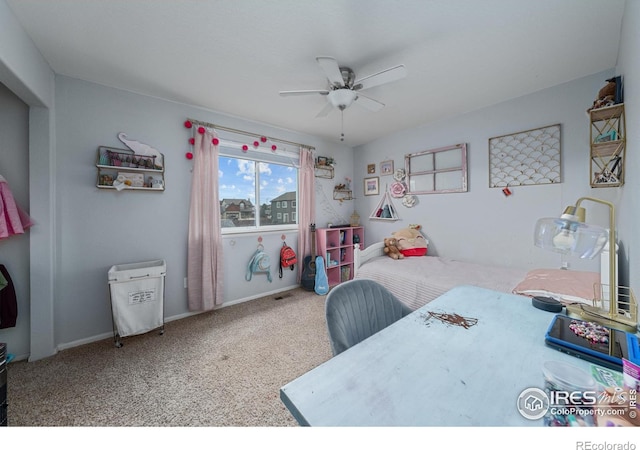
(221, 368)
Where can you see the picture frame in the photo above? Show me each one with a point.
(371, 168)
(321, 161)
(372, 186)
(386, 167)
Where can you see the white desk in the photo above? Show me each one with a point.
(418, 373)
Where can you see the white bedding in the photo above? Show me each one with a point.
(417, 280)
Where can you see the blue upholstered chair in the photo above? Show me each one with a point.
(357, 309)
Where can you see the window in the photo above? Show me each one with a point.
(437, 171)
(254, 188)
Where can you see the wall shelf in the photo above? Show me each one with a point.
(608, 142)
(140, 173)
(324, 171)
(385, 210)
(342, 194)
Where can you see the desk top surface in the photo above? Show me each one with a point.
(422, 371)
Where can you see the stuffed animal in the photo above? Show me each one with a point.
(410, 241)
(606, 95)
(391, 249)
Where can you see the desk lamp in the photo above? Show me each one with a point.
(569, 234)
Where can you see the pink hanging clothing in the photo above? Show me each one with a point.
(13, 220)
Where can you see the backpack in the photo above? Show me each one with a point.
(259, 263)
(287, 257)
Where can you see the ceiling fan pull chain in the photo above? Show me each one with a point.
(342, 126)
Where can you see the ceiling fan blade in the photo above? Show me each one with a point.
(331, 69)
(305, 92)
(369, 103)
(325, 111)
(386, 76)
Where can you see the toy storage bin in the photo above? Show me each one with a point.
(137, 298)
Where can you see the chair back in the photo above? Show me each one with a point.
(357, 309)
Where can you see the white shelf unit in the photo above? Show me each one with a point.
(112, 162)
(380, 212)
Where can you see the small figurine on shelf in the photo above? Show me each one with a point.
(347, 184)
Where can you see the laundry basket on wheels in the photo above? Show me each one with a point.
(137, 298)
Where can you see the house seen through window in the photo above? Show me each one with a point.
(256, 193)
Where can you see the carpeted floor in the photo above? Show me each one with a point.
(222, 368)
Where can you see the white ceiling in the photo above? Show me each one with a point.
(234, 56)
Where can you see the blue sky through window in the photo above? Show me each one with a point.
(237, 179)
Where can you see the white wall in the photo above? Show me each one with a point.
(482, 225)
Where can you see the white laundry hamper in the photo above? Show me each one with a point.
(137, 298)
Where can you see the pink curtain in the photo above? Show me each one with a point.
(204, 259)
(307, 205)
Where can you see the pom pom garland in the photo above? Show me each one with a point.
(189, 155)
(188, 124)
(192, 141)
(215, 141)
(201, 130)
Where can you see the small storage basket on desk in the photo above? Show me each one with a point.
(137, 298)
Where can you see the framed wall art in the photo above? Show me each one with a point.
(371, 168)
(526, 158)
(372, 186)
(438, 171)
(386, 167)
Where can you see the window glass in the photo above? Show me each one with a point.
(256, 194)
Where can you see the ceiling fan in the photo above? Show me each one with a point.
(345, 89)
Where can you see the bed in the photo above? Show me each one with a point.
(417, 280)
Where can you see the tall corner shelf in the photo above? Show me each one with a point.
(607, 139)
(336, 246)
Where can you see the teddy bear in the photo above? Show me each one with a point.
(410, 241)
(391, 249)
(606, 95)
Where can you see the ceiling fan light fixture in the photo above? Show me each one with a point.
(342, 98)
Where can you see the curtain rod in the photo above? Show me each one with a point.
(246, 133)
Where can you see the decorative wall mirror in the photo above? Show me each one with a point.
(437, 171)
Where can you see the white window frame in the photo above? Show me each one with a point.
(232, 149)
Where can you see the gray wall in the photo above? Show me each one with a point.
(99, 228)
(629, 205)
(482, 225)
